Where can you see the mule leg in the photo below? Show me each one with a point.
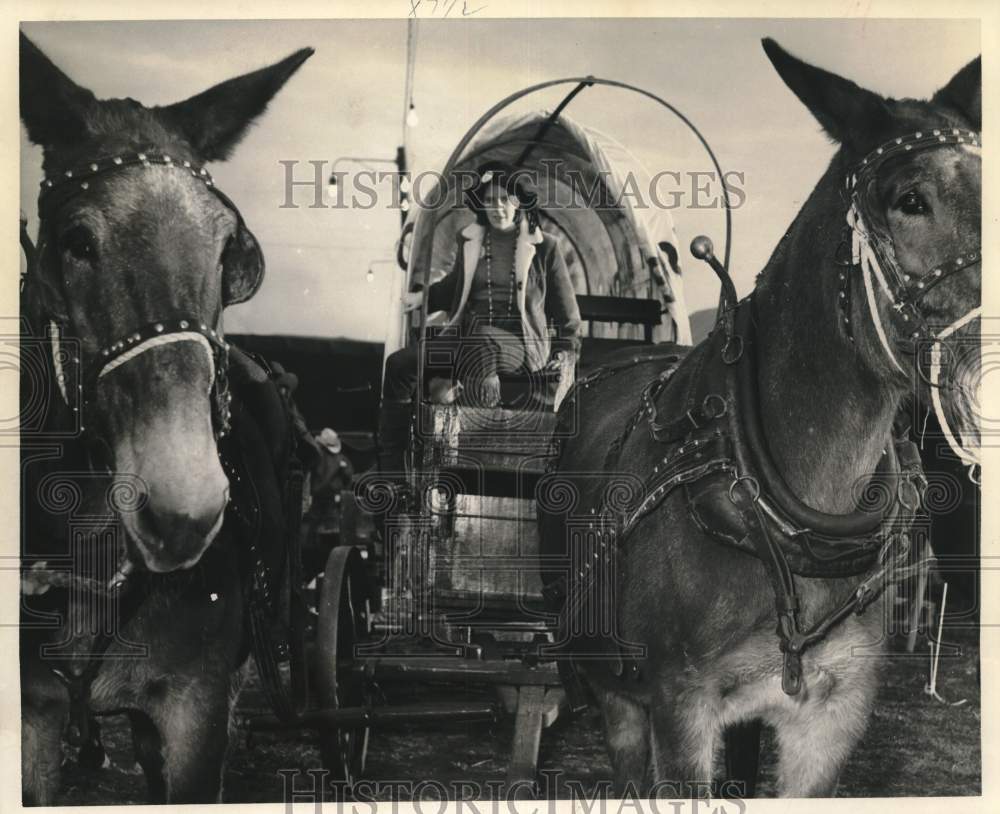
(816, 738)
(149, 754)
(41, 749)
(684, 732)
(742, 752)
(626, 733)
(194, 729)
(44, 712)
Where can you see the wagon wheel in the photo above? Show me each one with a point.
(342, 623)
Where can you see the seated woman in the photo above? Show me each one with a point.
(508, 284)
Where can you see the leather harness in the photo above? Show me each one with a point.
(734, 493)
(709, 454)
(267, 637)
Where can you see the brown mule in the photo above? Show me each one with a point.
(126, 425)
(702, 496)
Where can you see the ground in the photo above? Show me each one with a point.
(915, 745)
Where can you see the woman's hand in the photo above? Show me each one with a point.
(489, 390)
(443, 391)
(557, 361)
(412, 300)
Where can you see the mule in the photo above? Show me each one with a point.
(868, 304)
(131, 492)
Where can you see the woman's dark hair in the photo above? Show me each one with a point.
(511, 180)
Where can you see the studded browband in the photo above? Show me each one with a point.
(919, 140)
(58, 188)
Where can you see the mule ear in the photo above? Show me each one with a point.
(964, 93)
(849, 114)
(53, 106)
(213, 122)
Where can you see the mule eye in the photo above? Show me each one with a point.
(79, 242)
(912, 203)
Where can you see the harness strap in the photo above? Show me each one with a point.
(713, 406)
(647, 406)
(268, 649)
(267, 642)
(863, 254)
(782, 583)
(792, 641)
(696, 459)
(78, 685)
(56, 190)
(55, 344)
(185, 328)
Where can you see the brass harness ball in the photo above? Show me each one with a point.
(702, 248)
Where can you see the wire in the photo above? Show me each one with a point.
(411, 64)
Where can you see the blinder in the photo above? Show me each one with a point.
(242, 261)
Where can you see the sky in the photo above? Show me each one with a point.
(348, 100)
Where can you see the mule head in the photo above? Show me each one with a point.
(136, 265)
(908, 174)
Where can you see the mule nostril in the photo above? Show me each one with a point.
(151, 528)
(176, 526)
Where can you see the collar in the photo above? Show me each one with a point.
(476, 231)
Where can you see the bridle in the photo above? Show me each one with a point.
(77, 379)
(55, 192)
(873, 255)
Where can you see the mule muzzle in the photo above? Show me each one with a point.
(171, 540)
(183, 494)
